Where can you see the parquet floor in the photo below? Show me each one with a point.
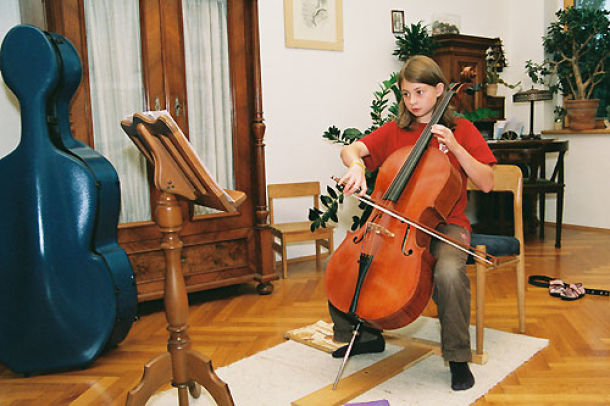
(231, 323)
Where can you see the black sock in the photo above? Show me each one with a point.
(376, 345)
(461, 377)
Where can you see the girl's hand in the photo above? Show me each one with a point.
(445, 136)
(354, 179)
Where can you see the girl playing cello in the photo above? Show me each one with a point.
(422, 85)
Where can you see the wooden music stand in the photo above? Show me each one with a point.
(177, 171)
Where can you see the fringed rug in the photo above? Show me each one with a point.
(291, 371)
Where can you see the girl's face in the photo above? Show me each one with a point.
(420, 99)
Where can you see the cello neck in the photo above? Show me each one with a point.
(404, 174)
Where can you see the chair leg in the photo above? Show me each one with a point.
(559, 219)
(318, 253)
(520, 271)
(284, 260)
(480, 305)
(541, 207)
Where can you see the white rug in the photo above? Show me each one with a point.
(290, 371)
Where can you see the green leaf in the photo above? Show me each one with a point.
(325, 200)
(333, 216)
(331, 192)
(352, 134)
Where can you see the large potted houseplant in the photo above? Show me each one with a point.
(578, 49)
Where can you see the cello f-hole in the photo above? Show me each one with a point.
(404, 243)
(357, 240)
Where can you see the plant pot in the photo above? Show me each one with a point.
(581, 113)
(557, 125)
(491, 89)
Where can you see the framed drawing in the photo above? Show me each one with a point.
(398, 21)
(314, 24)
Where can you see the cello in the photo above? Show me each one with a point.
(381, 275)
(419, 183)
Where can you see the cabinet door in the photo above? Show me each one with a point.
(456, 52)
(134, 59)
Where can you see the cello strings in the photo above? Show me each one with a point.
(407, 169)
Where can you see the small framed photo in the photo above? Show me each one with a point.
(398, 21)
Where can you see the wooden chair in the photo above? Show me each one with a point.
(507, 178)
(285, 233)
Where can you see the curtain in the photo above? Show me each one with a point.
(115, 75)
(117, 90)
(208, 88)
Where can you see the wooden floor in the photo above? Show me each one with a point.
(231, 323)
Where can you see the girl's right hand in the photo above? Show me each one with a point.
(354, 179)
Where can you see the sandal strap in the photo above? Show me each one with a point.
(599, 292)
(539, 280)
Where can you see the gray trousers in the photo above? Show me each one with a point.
(451, 294)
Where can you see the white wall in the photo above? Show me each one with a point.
(9, 105)
(587, 167)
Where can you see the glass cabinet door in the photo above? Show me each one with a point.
(116, 91)
(208, 88)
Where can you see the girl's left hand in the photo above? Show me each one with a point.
(445, 136)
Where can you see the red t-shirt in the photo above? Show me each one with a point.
(382, 142)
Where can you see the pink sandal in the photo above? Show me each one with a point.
(573, 292)
(556, 287)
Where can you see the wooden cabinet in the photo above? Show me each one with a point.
(457, 51)
(219, 248)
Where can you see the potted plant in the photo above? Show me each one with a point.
(578, 45)
(495, 63)
(415, 40)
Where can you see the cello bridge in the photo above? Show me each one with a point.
(377, 229)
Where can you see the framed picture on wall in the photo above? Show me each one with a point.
(314, 24)
(398, 21)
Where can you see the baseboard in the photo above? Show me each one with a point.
(577, 227)
(305, 258)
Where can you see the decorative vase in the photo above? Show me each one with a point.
(557, 125)
(491, 89)
(581, 113)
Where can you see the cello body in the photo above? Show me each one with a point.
(57, 294)
(397, 283)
